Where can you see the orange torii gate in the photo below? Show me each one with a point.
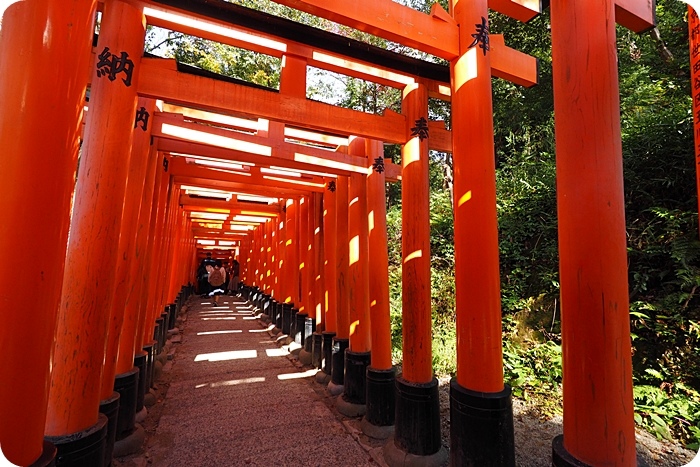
(58, 391)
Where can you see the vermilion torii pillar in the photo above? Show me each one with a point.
(416, 387)
(596, 344)
(291, 253)
(480, 402)
(303, 231)
(358, 355)
(44, 52)
(92, 249)
(330, 276)
(341, 341)
(121, 323)
(379, 420)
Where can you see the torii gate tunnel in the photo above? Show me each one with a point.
(176, 162)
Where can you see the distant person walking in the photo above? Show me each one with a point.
(216, 280)
(203, 287)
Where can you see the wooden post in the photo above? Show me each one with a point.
(121, 322)
(416, 387)
(330, 250)
(694, 41)
(40, 114)
(381, 377)
(417, 342)
(282, 281)
(379, 257)
(304, 268)
(292, 253)
(92, 249)
(317, 217)
(341, 341)
(596, 345)
(475, 437)
(330, 269)
(358, 355)
(129, 341)
(143, 336)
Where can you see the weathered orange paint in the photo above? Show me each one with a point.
(151, 311)
(293, 76)
(342, 258)
(415, 224)
(138, 162)
(92, 247)
(330, 269)
(318, 275)
(129, 341)
(477, 275)
(358, 257)
(694, 22)
(596, 344)
(292, 253)
(304, 269)
(281, 265)
(379, 261)
(150, 218)
(33, 191)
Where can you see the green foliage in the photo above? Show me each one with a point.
(672, 412)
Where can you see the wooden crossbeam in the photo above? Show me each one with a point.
(637, 15)
(211, 181)
(259, 150)
(159, 80)
(192, 204)
(512, 65)
(179, 167)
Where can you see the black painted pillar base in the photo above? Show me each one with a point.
(156, 336)
(309, 328)
(172, 316)
(481, 427)
(278, 316)
(150, 359)
(300, 328)
(163, 330)
(140, 362)
(380, 397)
(287, 318)
(338, 357)
(561, 457)
(127, 384)
(82, 449)
(47, 457)
(417, 419)
(327, 351)
(110, 409)
(356, 364)
(316, 349)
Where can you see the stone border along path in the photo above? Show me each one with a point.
(236, 398)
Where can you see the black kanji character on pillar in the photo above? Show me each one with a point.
(378, 165)
(142, 117)
(421, 129)
(165, 163)
(111, 65)
(331, 186)
(481, 36)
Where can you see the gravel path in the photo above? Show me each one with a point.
(205, 417)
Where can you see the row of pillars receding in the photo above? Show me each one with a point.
(100, 263)
(97, 268)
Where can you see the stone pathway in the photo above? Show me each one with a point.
(236, 399)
